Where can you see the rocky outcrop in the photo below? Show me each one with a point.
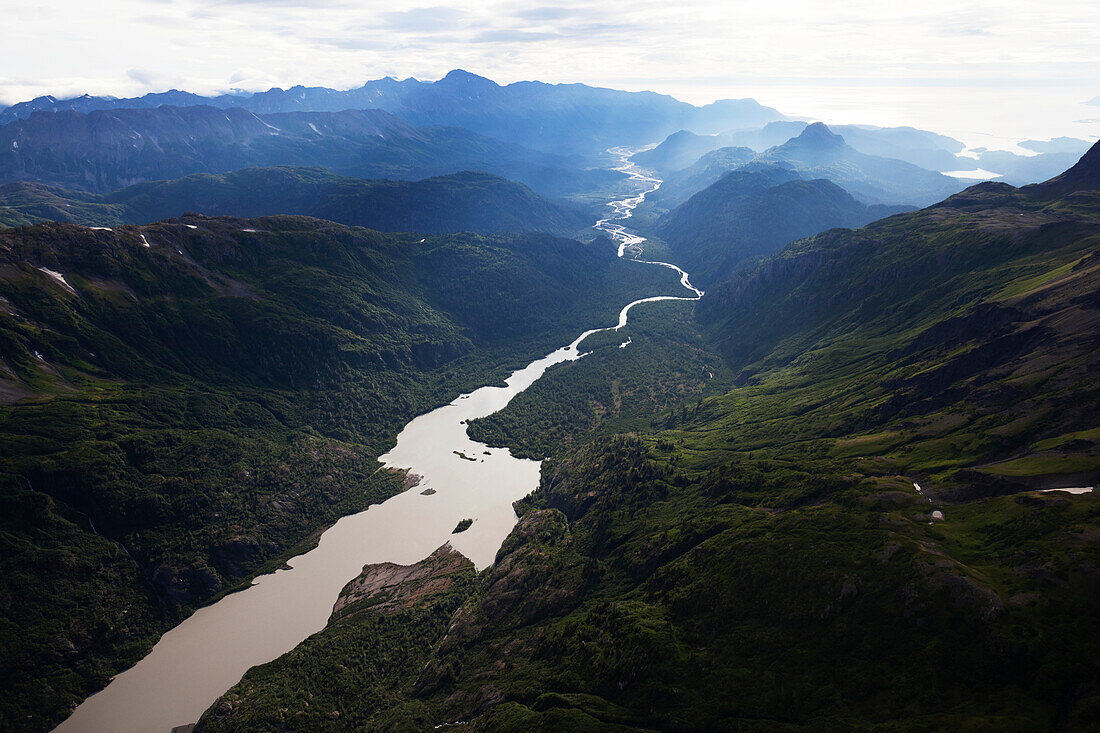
(387, 588)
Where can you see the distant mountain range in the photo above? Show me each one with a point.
(682, 149)
(569, 118)
(1021, 170)
(816, 152)
(819, 153)
(466, 201)
(336, 129)
(922, 148)
(104, 150)
(753, 212)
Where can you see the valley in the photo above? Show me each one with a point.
(221, 642)
(162, 546)
(330, 409)
(700, 516)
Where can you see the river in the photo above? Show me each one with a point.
(198, 660)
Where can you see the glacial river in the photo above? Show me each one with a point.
(197, 661)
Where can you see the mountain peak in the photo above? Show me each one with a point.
(461, 76)
(820, 135)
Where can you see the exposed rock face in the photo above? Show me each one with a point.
(387, 588)
(351, 676)
(537, 574)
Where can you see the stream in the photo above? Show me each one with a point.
(198, 660)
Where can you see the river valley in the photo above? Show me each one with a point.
(205, 655)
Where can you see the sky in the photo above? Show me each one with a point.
(1002, 69)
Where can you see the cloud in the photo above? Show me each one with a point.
(510, 35)
(286, 3)
(424, 20)
(1094, 102)
(550, 13)
(142, 76)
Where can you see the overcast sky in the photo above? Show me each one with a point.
(803, 56)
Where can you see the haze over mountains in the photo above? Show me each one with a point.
(104, 150)
(530, 132)
(816, 152)
(563, 118)
(921, 148)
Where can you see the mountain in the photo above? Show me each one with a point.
(841, 529)
(1081, 180)
(768, 136)
(87, 103)
(105, 150)
(550, 117)
(922, 148)
(818, 152)
(681, 185)
(475, 202)
(679, 150)
(753, 212)
(182, 404)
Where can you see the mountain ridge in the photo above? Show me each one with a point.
(463, 201)
(820, 153)
(571, 117)
(752, 212)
